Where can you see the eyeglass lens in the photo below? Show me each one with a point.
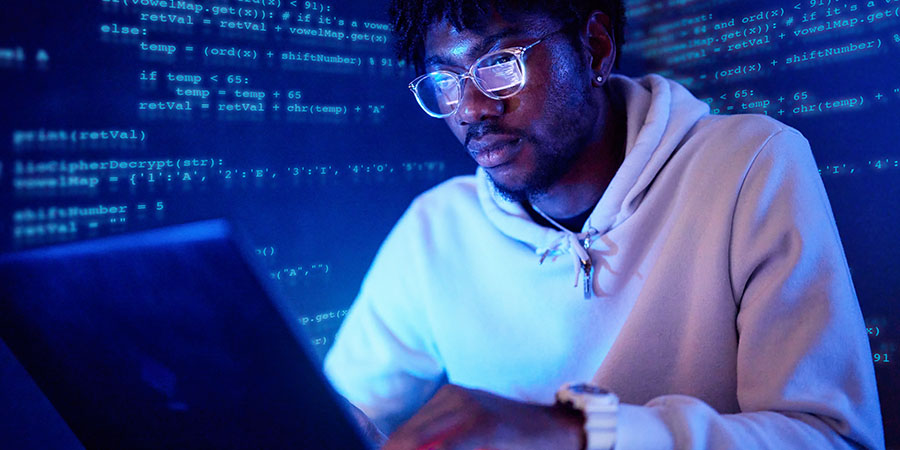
(497, 75)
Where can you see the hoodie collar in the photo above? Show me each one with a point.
(659, 113)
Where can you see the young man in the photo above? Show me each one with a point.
(712, 306)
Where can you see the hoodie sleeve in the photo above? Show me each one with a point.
(384, 359)
(805, 376)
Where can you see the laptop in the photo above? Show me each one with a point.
(167, 339)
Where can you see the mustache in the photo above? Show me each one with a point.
(481, 129)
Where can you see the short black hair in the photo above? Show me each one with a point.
(410, 19)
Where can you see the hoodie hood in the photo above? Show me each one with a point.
(659, 114)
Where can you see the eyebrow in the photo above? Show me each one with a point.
(478, 49)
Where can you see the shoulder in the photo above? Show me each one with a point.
(446, 201)
(751, 131)
(436, 223)
(739, 155)
(738, 141)
(438, 211)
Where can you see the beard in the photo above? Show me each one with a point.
(571, 121)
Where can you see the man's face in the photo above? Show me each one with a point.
(528, 142)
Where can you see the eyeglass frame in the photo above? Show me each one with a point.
(517, 51)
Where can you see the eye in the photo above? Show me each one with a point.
(500, 73)
(497, 59)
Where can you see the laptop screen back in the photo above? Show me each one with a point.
(166, 339)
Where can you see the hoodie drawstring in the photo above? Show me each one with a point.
(580, 243)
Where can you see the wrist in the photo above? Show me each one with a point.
(599, 409)
(570, 422)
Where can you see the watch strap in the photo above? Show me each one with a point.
(600, 408)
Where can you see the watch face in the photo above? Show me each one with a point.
(584, 388)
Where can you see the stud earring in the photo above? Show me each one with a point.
(599, 78)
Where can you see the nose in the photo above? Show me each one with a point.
(474, 106)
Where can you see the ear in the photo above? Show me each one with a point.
(599, 41)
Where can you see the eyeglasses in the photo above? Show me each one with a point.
(498, 75)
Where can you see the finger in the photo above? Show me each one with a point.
(444, 431)
(445, 403)
(425, 430)
(368, 428)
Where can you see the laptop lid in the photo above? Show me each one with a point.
(166, 338)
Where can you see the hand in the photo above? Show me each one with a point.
(461, 418)
(369, 430)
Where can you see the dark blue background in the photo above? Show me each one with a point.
(91, 82)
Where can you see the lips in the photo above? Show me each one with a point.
(494, 150)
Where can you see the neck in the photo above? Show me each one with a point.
(573, 224)
(581, 188)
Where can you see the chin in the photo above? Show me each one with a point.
(512, 191)
(506, 178)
